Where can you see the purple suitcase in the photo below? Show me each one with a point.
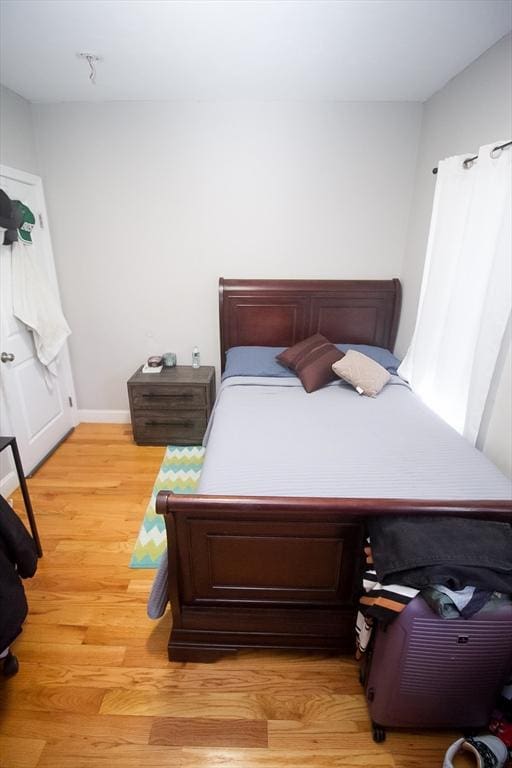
(426, 671)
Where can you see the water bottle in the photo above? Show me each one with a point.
(195, 358)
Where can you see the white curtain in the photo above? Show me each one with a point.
(466, 294)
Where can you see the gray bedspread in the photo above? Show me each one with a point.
(269, 437)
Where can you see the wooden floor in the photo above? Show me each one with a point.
(95, 687)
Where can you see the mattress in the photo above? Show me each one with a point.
(269, 437)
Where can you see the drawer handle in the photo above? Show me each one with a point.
(152, 394)
(171, 423)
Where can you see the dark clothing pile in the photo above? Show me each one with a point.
(454, 552)
(459, 566)
(18, 560)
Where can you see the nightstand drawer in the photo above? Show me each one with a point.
(158, 397)
(169, 426)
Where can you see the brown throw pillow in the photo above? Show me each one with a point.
(312, 361)
(366, 376)
(290, 355)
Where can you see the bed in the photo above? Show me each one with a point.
(269, 553)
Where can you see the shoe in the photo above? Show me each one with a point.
(11, 665)
(489, 751)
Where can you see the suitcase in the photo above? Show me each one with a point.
(424, 671)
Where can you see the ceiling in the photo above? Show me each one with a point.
(348, 50)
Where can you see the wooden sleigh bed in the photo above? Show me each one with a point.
(283, 572)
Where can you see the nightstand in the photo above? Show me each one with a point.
(171, 407)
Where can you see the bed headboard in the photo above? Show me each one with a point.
(279, 313)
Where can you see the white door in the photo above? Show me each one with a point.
(37, 414)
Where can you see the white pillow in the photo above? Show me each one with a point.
(365, 375)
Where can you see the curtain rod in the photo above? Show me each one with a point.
(469, 160)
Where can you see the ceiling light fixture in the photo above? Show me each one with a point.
(91, 59)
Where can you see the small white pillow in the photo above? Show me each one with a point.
(365, 375)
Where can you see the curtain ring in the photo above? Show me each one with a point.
(496, 152)
(468, 162)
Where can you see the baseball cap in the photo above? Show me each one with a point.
(27, 221)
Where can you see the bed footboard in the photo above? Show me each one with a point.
(268, 572)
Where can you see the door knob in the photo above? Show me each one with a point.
(6, 357)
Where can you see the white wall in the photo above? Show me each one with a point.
(471, 110)
(17, 143)
(149, 203)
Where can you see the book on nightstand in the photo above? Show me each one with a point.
(151, 368)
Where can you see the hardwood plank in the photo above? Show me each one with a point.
(62, 575)
(51, 698)
(280, 660)
(230, 705)
(49, 633)
(277, 660)
(90, 484)
(417, 749)
(20, 752)
(107, 754)
(141, 585)
(108, 532)
(70, 504)
(117, 555)
(73, 726)
(50, 599)
(61, 667)
(152, 756)
(71, 584)
(140, 640)
(293, 734)
(64, 655)
(93, 615)
(197, 732)
(97, 547)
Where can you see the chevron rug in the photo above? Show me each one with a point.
(179, 472)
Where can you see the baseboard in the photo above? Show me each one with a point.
(104, 417)
(8, 484)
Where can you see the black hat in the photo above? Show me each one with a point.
(11, 218)
(5, 210)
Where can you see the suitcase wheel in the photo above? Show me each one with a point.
(379, 733)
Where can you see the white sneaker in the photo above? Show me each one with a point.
(489, 751)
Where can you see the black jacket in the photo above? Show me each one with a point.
(457, 552)
(18, 558)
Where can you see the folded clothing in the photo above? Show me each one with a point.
(447, 606)
(422, 551)
(378, 602)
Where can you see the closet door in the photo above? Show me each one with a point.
(39, 415)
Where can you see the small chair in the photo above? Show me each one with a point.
(4, 443)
